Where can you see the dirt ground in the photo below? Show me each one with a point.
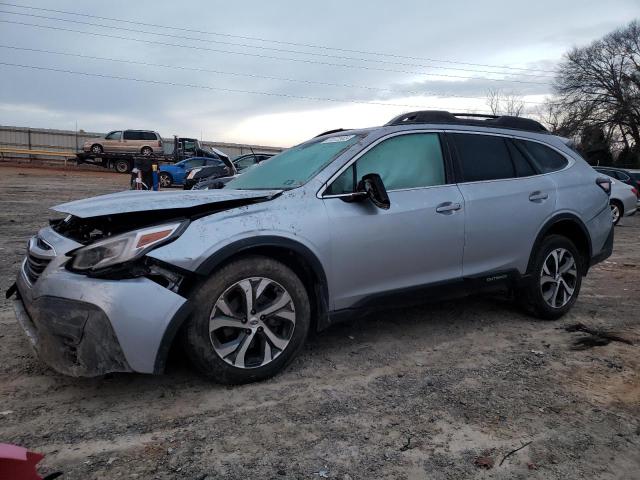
(431, 392)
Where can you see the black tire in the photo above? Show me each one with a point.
(146, 151)
(198, 343)
(616, 205)
(531, 296)
(97, 149)
(166, 180)
(122, 166)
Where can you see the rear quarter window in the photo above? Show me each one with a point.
(545, 158)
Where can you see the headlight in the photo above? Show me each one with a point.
(193, 172)
(125, 247)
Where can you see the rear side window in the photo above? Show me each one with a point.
(405, 161)
(483, 157)
(545, 158)
(131, 135)
(520, 162)
(148, 136)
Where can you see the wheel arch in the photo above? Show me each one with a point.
(569, 226)
(293, 254)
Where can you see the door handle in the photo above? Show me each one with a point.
(538, 196)
(448, 207)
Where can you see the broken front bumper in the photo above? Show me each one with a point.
(74, 338)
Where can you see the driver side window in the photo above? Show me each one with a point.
(113, 136)
(406, 161)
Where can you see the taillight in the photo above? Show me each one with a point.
(605, 184)
(635, 190)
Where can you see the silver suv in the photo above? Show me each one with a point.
(428, 206)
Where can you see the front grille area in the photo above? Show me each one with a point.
(39, 255)
(34, 266)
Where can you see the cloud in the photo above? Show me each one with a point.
(493, 33)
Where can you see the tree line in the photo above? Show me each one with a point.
(596, 99)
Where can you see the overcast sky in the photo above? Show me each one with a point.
(418, 52)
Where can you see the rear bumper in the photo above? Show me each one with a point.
(606, 250)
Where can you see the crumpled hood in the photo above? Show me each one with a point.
(141, 201)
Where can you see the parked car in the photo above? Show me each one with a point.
(207, 179)
(428, 206)
(145, 142)
(248, 160)
(213, 169)
(623, 200)
(213, 183)
(625, 176)
(177, 173)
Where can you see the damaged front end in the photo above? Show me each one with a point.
(91, 300)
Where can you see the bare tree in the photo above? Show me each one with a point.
(502, 103)
(600, 85)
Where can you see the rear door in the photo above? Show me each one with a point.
(130, 141)
(418, 241)
(507, 201)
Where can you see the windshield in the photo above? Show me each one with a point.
(294, 167)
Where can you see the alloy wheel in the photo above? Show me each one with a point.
(252, 322)
(164, 180)
(558, 278)
(615, 213)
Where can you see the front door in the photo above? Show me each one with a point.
(418, 241)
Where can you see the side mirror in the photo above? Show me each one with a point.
(373, 186)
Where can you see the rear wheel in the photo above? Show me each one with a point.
(616, 211)
(251, 319)
(556, 277)
(165, 179)
(122, 166)
(146, 151)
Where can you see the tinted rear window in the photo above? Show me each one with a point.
(483, 157)
(522, 165)
(545, 158)
(149, 136)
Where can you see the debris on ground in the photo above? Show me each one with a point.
(595, 338)
(484, 462)
(514, 451)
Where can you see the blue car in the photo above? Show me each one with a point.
(175, 174)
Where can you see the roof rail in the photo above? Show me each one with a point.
(474, 119)
(329, 132)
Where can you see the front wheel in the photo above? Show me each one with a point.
(96, 149)
(556, 277)
(251, 319)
